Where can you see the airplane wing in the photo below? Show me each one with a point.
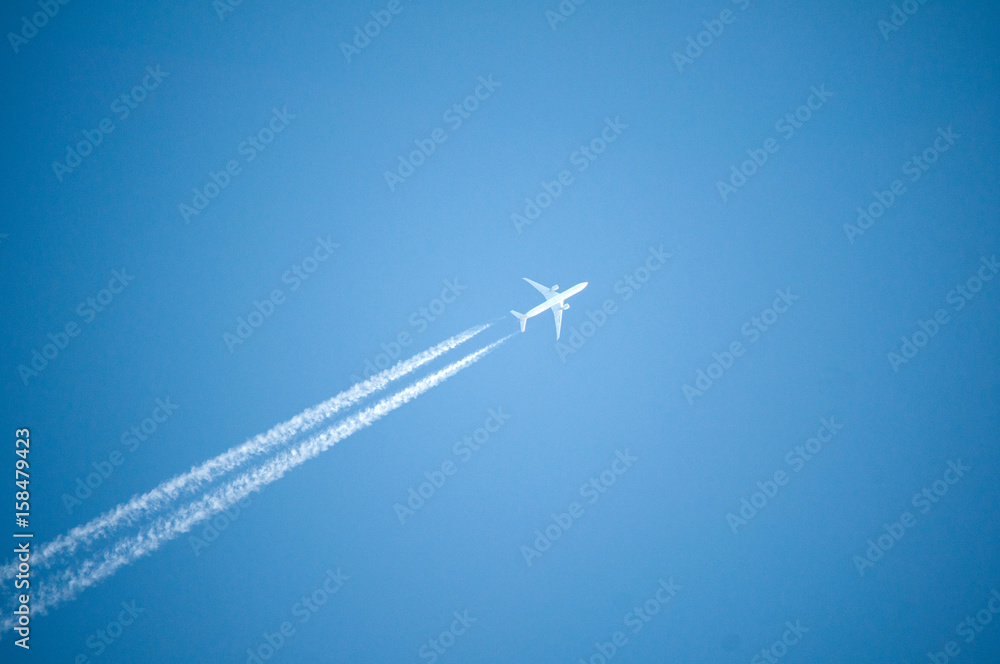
(546, 292)
(557, 312)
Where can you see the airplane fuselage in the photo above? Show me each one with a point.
(554, 302)
(557, 299)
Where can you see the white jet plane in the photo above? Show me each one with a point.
(553, 300)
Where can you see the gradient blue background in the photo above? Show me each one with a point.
(163, 336)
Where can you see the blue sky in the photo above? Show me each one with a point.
(447, 229)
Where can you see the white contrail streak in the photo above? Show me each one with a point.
(127, 550)
(163, 495)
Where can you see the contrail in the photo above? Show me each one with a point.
(127, 550)
(161, 497)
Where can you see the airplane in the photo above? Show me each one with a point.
(553, 300)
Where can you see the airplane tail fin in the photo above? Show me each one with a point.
(520, 317)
